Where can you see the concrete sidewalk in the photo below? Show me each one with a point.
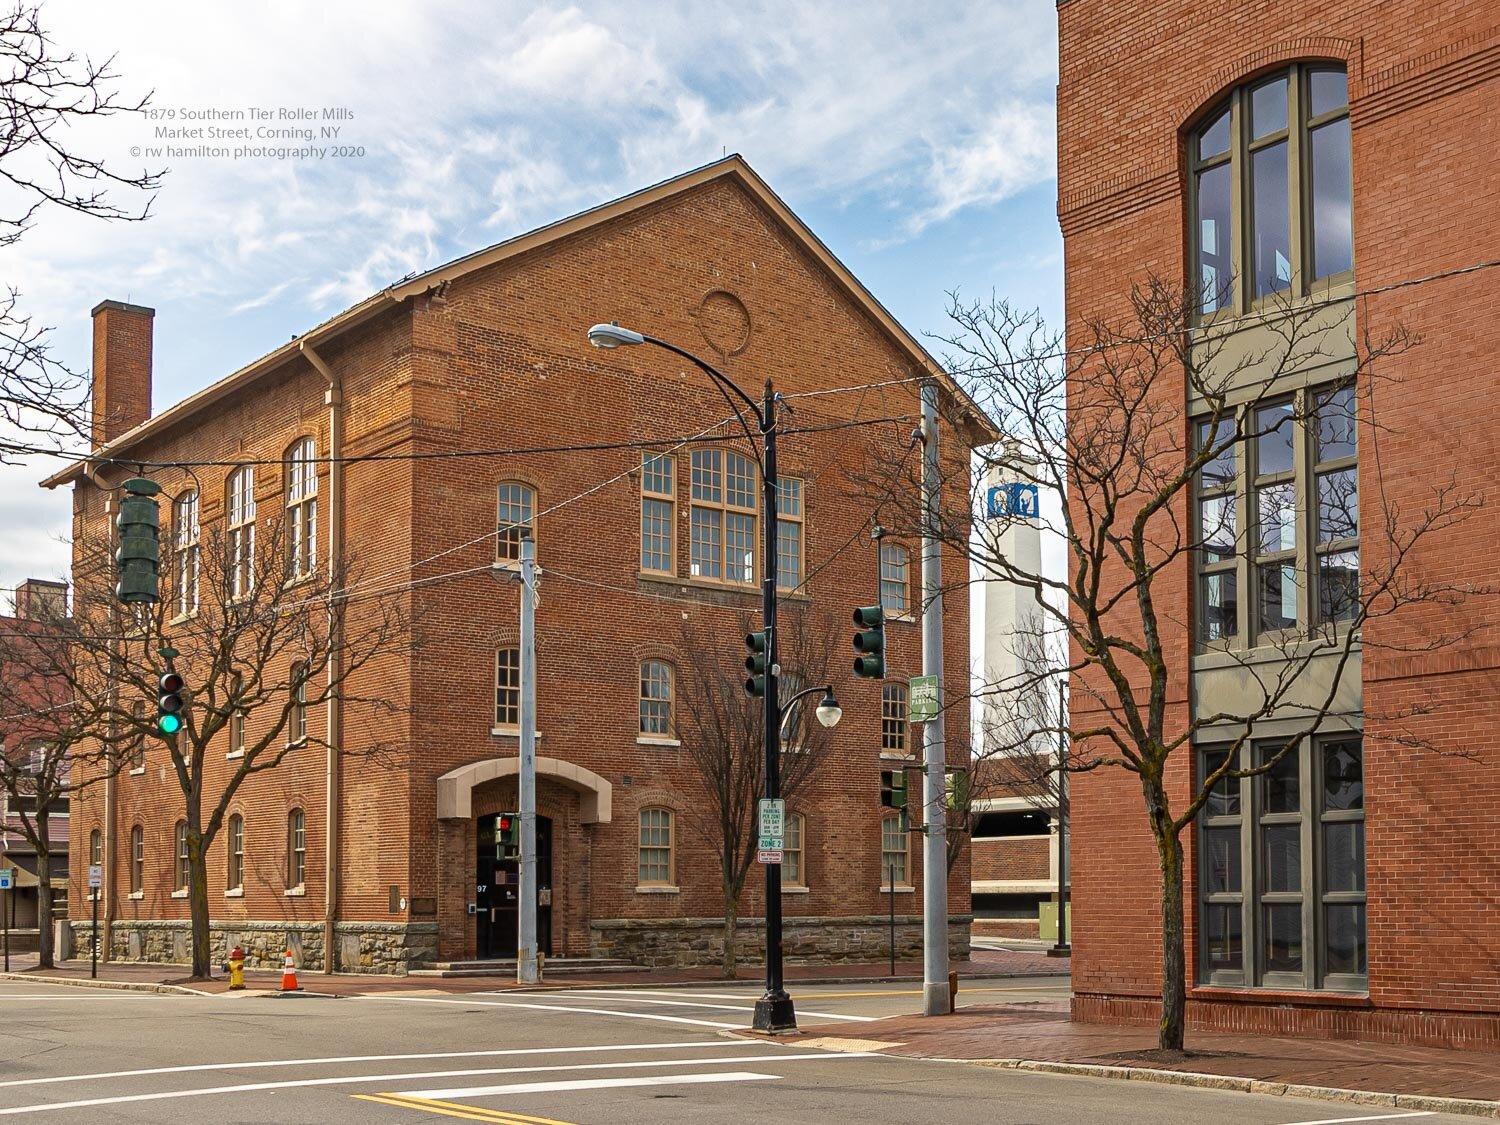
(1043, 1037)
(984, 963)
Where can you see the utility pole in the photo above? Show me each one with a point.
(526, 965)
(1063, 948)
(936, 998)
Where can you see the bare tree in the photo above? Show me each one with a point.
(252, 635)
(724, 741)
(46, 94)
(1139, 425)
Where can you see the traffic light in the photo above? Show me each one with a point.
(169, 703)
(893, 789)
(139, 554)
(755, 664)
(508, 836)
(869, 642)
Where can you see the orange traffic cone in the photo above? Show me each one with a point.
(289, 975)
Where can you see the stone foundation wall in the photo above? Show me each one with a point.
(686, 942)
(362, 947)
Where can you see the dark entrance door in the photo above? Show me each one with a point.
(497, 891)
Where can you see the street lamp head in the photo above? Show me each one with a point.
(613, 336)
(829, 712)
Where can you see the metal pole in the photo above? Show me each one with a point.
(94, 937)
(526, 968)
(1063, 948)
(890, 873)
(773, 1011)
(936, 999)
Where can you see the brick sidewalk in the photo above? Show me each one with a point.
(1045, 1033)
(983, 963)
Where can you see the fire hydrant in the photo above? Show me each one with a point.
(237, 968)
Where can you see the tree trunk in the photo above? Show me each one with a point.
(1173, 969)
(44, 905)
(198, 895)
(731, 941)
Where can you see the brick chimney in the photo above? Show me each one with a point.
(122, 368)
(40, 600)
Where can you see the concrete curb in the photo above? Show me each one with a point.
(120, 985)
(1471, 1107)
(916, 978)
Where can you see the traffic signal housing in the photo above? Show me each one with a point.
(508, 836)
(169, 703)
(869, 642)
(138, 557)
(755, 664)
(893, 789)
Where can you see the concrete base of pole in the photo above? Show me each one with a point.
(1060, 950)
(937, 999)
(775, 1013)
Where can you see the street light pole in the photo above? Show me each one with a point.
(774, 1011)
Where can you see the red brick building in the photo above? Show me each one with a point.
(1339, 152)
(490, 353)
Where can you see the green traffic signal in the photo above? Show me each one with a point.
(169, 703)
(138, 556)
(869, 642)
(755, 664)
(169, 724)
(893, 789)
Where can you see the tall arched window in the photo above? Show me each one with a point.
(515, 508)
(1271, 189)
(894, 848)
(137, 859)
(235, 877)
(186, 548)
(657, 698)
(296, 849)
(296, 715)
(184, 870)
(302, 508)
(893, 580)
(893, 719)
(793, 869)
(240, 518)
(508, 688)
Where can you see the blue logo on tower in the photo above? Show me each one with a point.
(1014, 501)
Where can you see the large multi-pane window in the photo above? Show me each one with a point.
(186, 551)
(1282, 868)
(893, 725)
(240, 518)
(1294, 481)
(790, 495)
(793, 870)
(302, 508)
(234, 879)
(515, 509)
(893, 849)
(655, 867)
(723, 517)
(296, 849)
(893, 580)
(658, 512)
(1270, 185)
(508, 687)
(656, 700)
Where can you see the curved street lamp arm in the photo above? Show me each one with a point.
(725, 385)
(786, 708)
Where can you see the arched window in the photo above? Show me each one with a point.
(296, 718)
(137, 859)
(893, 723)
(893, 850)
(508, 688)
(656, 861)
(1271, 189)
(184, 870)
(515, 509)
(302, 508)
(657, 699)
(240, 518)
(236, 716)
(893, 574)
(235, 877)
(793, 870)
(296, 849)
(186, 549)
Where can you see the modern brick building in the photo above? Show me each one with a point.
(490, 353)
(1342, 152)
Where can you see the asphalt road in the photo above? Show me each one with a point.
(572, 1057)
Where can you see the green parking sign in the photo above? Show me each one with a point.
(922, 699)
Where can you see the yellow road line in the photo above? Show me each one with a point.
(916, 992)
(455, 1109)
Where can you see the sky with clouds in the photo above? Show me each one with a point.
(918, 141)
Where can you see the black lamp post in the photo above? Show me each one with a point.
(773, 1011)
